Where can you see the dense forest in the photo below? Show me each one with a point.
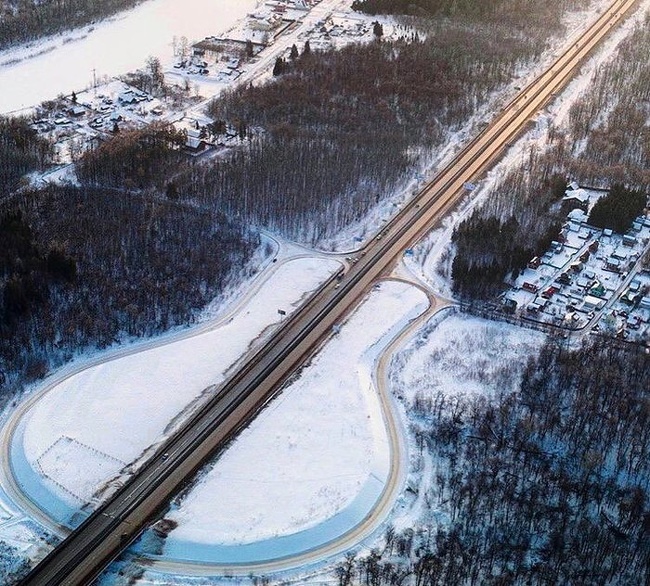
(133, 158)
(546, 485)
(25, 20)
(87, 267)
(605, 143)
(618, 209)
(511, 10)
(21, 151)
(337, 131)
(83, 268)
(492, 244)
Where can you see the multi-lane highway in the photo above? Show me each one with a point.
(118, 521)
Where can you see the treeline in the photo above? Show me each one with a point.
(487, 250)
(26, 271)
(21, 151)
(468, 9)
(88, 267)
(133, 158)
(13, 566)
(618, 209)
(27, 20)
(500, 238)
(547, 485)
(340, 130)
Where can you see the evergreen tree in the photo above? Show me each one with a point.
(279, 67)
(618, 208)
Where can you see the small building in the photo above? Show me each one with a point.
(633, 322)
(541, 302)
(628, 297)
(590, 303)
(629, 240)
(576, 267)
(549, 292)
(76, 111)
(577, 216)
(531, 287)
(597, 290)
(533, 307)
(534, 262)
(583, 283)
(194, 144)
(635, 286)
(575, 198)
(613, 264)
(509, 305)
(127, 97)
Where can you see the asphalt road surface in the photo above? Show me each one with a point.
(110, 529)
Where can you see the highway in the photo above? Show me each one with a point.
(110, 529)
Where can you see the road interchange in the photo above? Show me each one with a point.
(120, 520)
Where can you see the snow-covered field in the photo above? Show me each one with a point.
(314, 462)
(87, 427)
(60, 64)
(462, 355)
(454, 355)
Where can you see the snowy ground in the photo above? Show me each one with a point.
(88, 426)
(455, 356)
(461, 355)
(314, 463)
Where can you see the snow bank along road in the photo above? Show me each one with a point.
(118, 522)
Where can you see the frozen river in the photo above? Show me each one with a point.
(41, 70)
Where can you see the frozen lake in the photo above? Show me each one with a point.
(41, 70)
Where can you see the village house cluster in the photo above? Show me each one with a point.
(589, 277)
(196, 71)
(78, 121)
